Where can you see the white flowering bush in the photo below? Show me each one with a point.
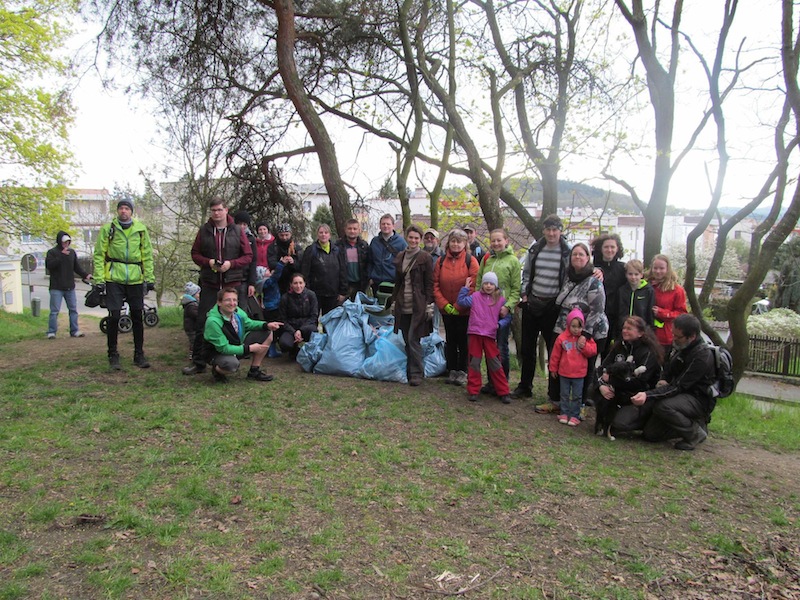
(777, 323)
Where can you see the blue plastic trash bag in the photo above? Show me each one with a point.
(433, 355)
(348, 337)
(387, 360)
(311, 351)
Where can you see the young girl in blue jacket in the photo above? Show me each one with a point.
(484, 319)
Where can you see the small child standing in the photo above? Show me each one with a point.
(484, 320)
(190, 304)
(636, 298)
(570, 363)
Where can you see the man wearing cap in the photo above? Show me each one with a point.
(62, 264)
(223, 253)
(472, 242)
(123, 268)
(543, 273)
(285, 246)
(383, 248)
(430, 243)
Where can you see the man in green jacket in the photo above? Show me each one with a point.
(123, 269)
(233, 335)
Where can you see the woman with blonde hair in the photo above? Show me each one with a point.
(670, 299)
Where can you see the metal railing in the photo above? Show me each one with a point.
(775, 356)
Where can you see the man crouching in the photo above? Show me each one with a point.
(232, 335)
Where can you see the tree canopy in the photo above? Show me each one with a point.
(36, 113)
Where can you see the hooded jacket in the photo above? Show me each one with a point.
(221, 336)
(299, 311)
(63, 267)
(325, 272)
(122, 255)
(638, 303)
(689, 371)
(566, 359)
(671, 304)
(506, 266)
(276, 251)
(382, 255)
(484, 312)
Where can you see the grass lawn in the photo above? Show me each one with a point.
(149, 484)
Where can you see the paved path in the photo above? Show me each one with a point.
(770, 388)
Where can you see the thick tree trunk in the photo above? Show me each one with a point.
(340, 202)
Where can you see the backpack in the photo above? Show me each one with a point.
(725, 384)
(467, 259)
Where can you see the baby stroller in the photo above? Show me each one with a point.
(125, 321)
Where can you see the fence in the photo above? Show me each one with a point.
(774, 355)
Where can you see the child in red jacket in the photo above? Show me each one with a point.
(570, 363)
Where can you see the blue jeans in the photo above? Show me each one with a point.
(571, 405)
(55, 306)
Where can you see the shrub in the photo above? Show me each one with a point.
(777, 323)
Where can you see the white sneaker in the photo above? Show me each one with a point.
(77, 334)
(51, 336)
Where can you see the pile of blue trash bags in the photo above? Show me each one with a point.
(359, 342)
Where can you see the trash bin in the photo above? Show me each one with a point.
(36, 306)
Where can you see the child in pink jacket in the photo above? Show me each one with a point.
(569, 362)
(484, 319)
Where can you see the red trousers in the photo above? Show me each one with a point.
(478, 346)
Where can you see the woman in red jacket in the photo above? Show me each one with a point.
(670, 299)
(449, 274)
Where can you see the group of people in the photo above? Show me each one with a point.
(260, 295)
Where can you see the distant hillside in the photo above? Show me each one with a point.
(574, 194)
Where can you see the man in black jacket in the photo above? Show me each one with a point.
(62, 263)
(683, 399)
(356, 255)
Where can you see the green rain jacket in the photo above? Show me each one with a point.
(123, 255)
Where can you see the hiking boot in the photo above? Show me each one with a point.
(415, 381)
(140, 361)
(461, 378)
(217, 376)
(521, 392)
(451, 378)
(505, 399)
(113, 361)
(472, 397)
(698, 437)
(546, 408)
(193, 369)
(259, 375)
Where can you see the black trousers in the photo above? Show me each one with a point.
(674, 417)
(456, 349)
(116, 294)
(532, 326)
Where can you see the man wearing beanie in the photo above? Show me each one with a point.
(123, 268)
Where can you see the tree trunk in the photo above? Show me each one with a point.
(339, 198)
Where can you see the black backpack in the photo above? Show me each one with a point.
(725, 384)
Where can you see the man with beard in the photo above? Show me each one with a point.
(683, 400)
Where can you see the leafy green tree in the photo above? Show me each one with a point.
(36, 114)
(322, 215)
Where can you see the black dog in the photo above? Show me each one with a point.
(622, 378)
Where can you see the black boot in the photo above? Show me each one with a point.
(113, 361)
(140, 361)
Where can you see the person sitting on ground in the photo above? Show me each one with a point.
(638, 345)
(486, 316)
(684, 398)
(190, 303)
(569, 364)
(231, 335)
(267, 287)
(299, 314)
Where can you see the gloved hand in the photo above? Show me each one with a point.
(101, 287)
(150, 286)
(451, 310)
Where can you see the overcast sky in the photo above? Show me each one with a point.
(115, 138)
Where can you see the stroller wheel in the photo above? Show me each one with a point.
(151, 319)
(125, 324)
(104, 324)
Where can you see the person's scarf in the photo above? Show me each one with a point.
(576, 276)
